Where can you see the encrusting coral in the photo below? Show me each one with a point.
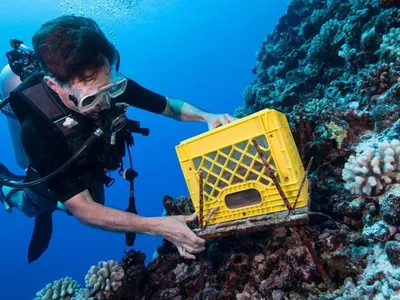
(380, 279)
(337, 133)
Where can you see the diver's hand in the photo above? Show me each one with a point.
(175, 230)
(215, 120)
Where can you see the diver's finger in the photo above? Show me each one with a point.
(190, 218)
(223, 120)
(194, 249)
(191, 238)
(229, 118)
(195, 240)
(182, 251)
(189, 234)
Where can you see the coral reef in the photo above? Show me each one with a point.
(390, 206)
(380, 279)
(273, 264)
(256, 266)
(393, 252)
(332, 67)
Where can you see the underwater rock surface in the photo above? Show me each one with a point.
(333, 67)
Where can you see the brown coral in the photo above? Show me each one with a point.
(377, 81)
(389, 3)
(134, 284)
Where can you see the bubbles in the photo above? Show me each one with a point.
(117, 15)
(115, 10)
(111, 9)
(105, 12)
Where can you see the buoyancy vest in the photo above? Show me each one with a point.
(33, 98)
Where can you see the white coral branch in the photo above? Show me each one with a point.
(372, 168)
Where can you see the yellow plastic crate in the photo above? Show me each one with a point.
(234, 175)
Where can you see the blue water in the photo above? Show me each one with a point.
(201, 51)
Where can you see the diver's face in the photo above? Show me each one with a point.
(88, 91)
(91, 97)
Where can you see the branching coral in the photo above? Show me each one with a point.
(62, 289)
(104, 279)
(371, 169)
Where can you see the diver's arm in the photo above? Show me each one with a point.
(91, 213)
(143, 98)
(172, 228)
(184, 111)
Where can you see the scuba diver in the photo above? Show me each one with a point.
(66, 102)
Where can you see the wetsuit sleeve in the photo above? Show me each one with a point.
(143, 98)
(47, 151)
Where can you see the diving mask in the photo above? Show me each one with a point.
(98, 99)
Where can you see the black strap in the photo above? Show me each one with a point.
(130, 175)
(131, 236)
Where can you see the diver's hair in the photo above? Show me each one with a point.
(72, 48)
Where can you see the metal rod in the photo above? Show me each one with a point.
(315, 258)
(303, 182)
(201, 199)
(201, 275)
(272, 176)
(201, 227)
(212, 212)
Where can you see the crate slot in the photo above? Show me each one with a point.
(243, 199)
